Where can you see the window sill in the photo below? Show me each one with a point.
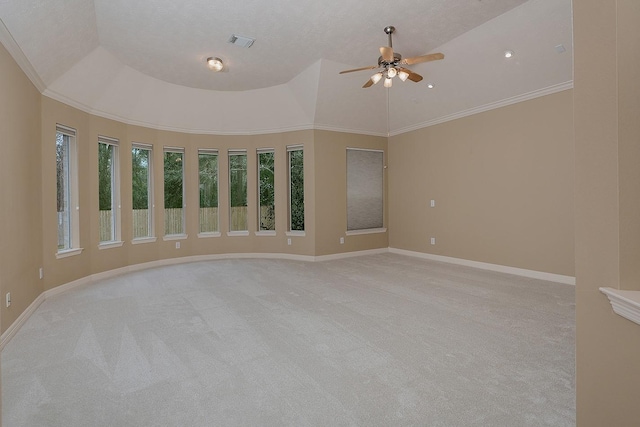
(237, 233)
(174, 237)
(296, 233)
(265, 233)
(208, 234)
(109, 245)
(365, 231)
(69, 252)
(624, 303)
(142, 240)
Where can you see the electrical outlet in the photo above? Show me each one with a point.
(342, 240)
(8, 299)
(433, 203)
(433, 240)
(289, 242)
(177, 245)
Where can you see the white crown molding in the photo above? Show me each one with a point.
(349, 130)
(540, 275)
(487, 107)
(624, 303)
(18, 55)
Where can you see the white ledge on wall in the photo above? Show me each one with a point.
(207, 234)
(237, 233)
(107, 245)
(365, 231)
(141, 240)
(624, 303)
(296, 233)
(68, 253)
(266, 233)
(174, 237)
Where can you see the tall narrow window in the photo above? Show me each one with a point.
(208, 173)
(108, 194)
(364, 189)
(238, 190)
(66, 193)
(266, 205)
(173, 191)
(295, 156)
(141, 189)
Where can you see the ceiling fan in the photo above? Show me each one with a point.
(390, 64)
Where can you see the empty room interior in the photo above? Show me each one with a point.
(320, 213)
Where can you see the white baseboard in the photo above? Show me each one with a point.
(24, 316)
(551, 277)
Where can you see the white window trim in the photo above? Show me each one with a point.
(366, 231)
(150, 200)
(258, 152)
(180, 236)
(69, 253)
(110, 244)
(74, 229)
(210, 151)
(180, 150)
(297, 233)
(115, 189)
(208, 234)
(290, 148)
(236, 152)
(142, 240)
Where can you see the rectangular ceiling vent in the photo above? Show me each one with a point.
(241, 41)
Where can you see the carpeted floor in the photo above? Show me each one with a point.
(381, 340)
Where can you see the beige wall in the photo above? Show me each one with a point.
(331, 193)
(607, 134)
(20, 190)
(502, 182)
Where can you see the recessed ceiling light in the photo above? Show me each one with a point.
(508, 53)
(215, 64)
(430, 86)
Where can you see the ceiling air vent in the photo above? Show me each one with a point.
(241, 41)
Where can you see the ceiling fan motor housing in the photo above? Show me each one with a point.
(396, 60)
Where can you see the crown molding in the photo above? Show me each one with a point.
(486, 107)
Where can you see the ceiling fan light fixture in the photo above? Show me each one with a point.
(376, 78)
(403, 75)
(388, 82)
(215, 64)
(392, 72)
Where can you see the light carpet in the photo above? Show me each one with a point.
(381, 340)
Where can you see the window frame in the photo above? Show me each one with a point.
(115, 239)
(174, 150)
(265, 231)
(368, 230)
(238, 152)
(290, 232)
(210, 152)
(150, 237)
(71, 194)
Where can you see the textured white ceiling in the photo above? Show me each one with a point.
(143, 61)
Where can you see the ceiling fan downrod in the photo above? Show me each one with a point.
(389, 30)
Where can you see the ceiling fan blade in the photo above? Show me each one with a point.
(387, 53)
(423, 58)
(369, 83)
(359, 69)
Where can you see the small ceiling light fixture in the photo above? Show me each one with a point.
(508, 53)
(403, 75)
(215, 64)
(376, 78)
(388, 82)
(430, 86)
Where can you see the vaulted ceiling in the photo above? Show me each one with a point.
(143, 62)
